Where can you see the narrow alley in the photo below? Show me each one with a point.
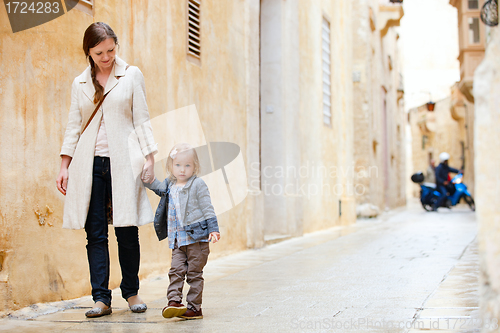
(404, 272)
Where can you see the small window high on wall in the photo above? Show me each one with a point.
(326, 72)
(473, 4)
(194, 30)
(474, 37)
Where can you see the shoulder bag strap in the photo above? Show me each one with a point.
(97, 107)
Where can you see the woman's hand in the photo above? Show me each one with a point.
(62, 179)
(215, 236)
(148, 172)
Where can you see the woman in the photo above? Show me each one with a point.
(103, 161)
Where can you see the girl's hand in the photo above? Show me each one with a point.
(62, 179)
(148, 172)
(215, 236)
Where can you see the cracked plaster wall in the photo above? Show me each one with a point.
(41, 263)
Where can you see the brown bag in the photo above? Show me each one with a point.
(97, 107)
(95, 111)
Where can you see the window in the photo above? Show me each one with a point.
(194, 30)
(473, 4)
(474, 30)
(326, 71)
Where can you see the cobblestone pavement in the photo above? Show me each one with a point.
(408, 271)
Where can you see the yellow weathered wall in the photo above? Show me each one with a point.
(375, 42)
(321, 145)
(47, 263)
(217, 87)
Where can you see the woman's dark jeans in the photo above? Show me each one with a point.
(96, 227)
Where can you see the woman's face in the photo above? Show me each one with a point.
(104, 53)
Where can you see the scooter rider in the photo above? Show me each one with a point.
(442, 171)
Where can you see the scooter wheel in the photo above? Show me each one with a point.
(470, 202)
(429, 206)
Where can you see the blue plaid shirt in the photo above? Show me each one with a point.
(175, 227)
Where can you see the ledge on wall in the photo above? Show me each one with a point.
(389, 16)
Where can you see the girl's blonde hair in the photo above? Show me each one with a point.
(182, 148)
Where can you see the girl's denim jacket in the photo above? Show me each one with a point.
(199, 218)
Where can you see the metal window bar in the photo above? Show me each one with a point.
(326, 71)
(194, 29)
(473, 4)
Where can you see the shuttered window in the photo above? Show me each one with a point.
(473, 4)
(327, 73)
(194, 29)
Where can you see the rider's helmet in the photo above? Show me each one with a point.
(444, 156)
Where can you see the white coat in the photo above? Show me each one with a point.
(130, 139)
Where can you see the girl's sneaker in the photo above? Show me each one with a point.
(192, 313)
(174, 309)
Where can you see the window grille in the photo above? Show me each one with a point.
(473, 4)
(194, 29)
(326, 71)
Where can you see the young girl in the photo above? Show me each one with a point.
(186, 216)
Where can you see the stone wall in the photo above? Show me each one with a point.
(487, 150)
(39, 261)
(258, 84)
(379, 119)
(436, 132)
(302, 157)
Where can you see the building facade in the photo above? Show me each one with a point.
(273, 77)
(471, 42)
(379, 118)
(39, 261)
(487, 149)
(437, 131)
(472, 35)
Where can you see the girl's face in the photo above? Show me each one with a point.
(183, 167)
(104, 53)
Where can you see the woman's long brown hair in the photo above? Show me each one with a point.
(96, 33)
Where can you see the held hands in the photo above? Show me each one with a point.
(215, 236)
(148, 172)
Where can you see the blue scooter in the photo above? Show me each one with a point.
(429, 194)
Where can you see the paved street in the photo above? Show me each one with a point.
(408, 271)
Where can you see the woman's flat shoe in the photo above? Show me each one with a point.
(138, 308)
(98, 312)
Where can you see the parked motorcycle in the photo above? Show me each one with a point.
(457, 190)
